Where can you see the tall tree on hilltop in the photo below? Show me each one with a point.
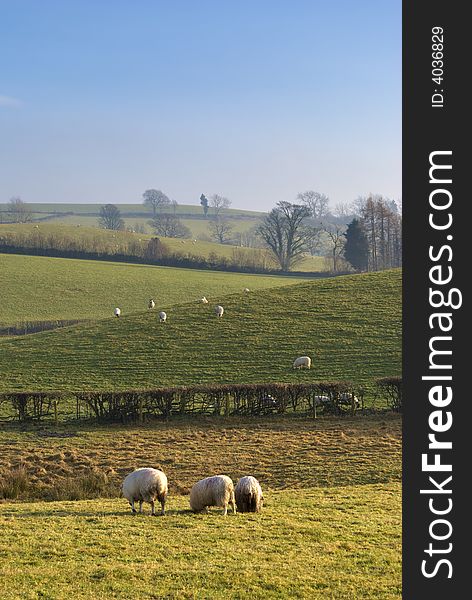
(284, 232)
(155, 200)
(110, 218)
(204, 204)
(317, 203)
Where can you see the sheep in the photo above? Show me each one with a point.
(151, 304)
(246, 290)
(162, 317)
(145, 485)
(204, 300)
(248, 495)
(302, 361)
(117, 312)
(212, 491)
(346, 398)
(219, 310)
(320, 400)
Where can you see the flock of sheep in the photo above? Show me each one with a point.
(149, 485)
(302, 362)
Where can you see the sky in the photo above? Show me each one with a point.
(253, 100)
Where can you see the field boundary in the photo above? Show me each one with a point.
(310, 399)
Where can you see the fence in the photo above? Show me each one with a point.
(141, 405)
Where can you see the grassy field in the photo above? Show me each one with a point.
(351, 326)
(120, 241)
(342, 543)
(39, 288)
(87, 215)
(330, 527)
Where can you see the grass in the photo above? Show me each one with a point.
(116, 242)
(350, 326)
(330, 527)
(283, 452)
(314, 543)
(37, 288)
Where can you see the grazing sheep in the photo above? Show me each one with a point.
(246, 290)
(204, 300)
(212, 491)
(346, 398)
(219, 310)
(302, 361)
(248, 494)
(145, 485)
(151, 304)
(320, 400)
(162, 317)
(117, 312)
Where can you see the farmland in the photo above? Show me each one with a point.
(37, 288)
(330, 526)
(91, 238)
(86, 215)
(350, 325)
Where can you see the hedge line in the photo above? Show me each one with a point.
(311, 399)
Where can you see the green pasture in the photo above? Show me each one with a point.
(311, 543)
(350, 326)
(38, 288)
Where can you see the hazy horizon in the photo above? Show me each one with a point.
(255, 102)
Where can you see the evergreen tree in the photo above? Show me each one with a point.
(204, 203)
(356, 250)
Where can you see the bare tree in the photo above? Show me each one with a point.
(156, 200)
(220, 229)
(284, 232)
(170, 226)
(337, 239)
(218, 203)
(110, 218)
(18, 210)
(317, 203)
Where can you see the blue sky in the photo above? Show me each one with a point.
(257, 101)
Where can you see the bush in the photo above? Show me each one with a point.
(391, 389)
(14, 484)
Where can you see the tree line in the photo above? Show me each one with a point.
(363, 236)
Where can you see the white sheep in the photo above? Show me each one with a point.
(151, 304)
(212, 491)
(145, 485)
(320, 400)
(302, 361)
(219, 310)
(117, 312)
(346, 398)
(248, 495)
(204, 300)
(246, 290)
(162, 317)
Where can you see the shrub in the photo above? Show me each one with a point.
(391, 388)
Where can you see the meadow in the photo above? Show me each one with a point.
(330, 527)
(331, 524)
(38, 288)
(115, 242)
(350, 325)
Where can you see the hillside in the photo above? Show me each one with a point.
(40, 288)
(87, 215)
(92, 239)
(351, 326)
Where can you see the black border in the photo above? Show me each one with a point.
(427, 129)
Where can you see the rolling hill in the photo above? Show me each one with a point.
(351, 326)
